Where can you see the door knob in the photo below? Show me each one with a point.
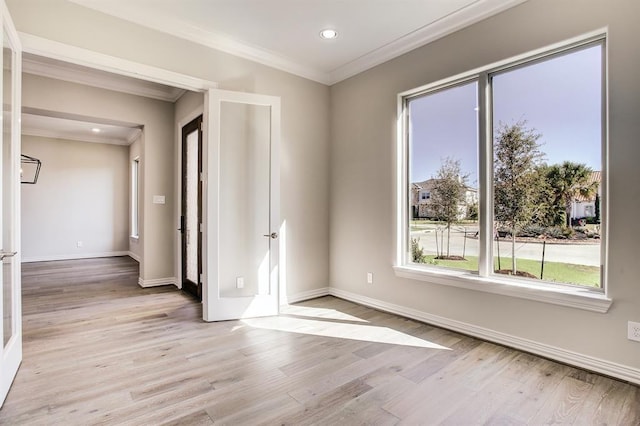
(273, 235)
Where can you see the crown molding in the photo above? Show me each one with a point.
(468, 15)
(211, 39)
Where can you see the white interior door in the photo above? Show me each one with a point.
(241, 205)
(10, 308)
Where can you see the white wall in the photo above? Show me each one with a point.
(363, 177)
(305, 130)
(81, 195)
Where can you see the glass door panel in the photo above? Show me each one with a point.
(10, 306)
(191, 208)
(7, 193)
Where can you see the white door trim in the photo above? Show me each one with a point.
(88, 58)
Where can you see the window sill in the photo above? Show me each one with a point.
(574, 297)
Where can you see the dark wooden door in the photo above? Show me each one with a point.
(191, 214)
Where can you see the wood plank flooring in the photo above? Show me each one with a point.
(98, 349)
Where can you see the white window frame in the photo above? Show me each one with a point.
(588, 298)
(135, 198)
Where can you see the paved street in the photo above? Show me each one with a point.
(579, 254)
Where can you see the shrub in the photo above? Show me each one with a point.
(555, 232)
(417, 252)
(532, 231)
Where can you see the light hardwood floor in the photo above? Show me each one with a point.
(98, 349)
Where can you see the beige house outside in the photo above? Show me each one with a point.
(422, 206)
(583, 207)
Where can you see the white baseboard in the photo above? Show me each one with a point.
(49, 258)
(305, 295)
(134, 256)
(156, 282)
(601, 366)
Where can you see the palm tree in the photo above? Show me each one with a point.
(569, 181)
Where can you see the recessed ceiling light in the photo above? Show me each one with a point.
(328, 34)
(95, 130)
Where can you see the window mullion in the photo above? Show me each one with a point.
(485, 176)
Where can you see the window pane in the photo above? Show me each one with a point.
(547, 120)
(135, 171)
(443, 178)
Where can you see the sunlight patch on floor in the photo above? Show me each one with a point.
(306, 311)
(362, 332)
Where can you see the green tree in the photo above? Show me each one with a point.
(569, 181)
(448, 194)
(550, 211)
(517, 182)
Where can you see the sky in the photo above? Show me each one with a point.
(560, 98)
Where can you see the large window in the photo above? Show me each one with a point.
(135, 196)
(512, 160)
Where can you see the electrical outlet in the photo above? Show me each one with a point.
(240, 282)
(79, 243)
(634, 331)
(369, 277)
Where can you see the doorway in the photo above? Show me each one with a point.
(191, 210)
(221, 299)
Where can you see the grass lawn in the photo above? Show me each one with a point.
(566, 273)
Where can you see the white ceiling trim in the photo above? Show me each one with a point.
(462, 18)
(54, 134)
(244, 50)
(113, 82)
(88, 58)
(479, 10)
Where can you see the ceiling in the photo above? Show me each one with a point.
(50, 124)
(285, 33)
